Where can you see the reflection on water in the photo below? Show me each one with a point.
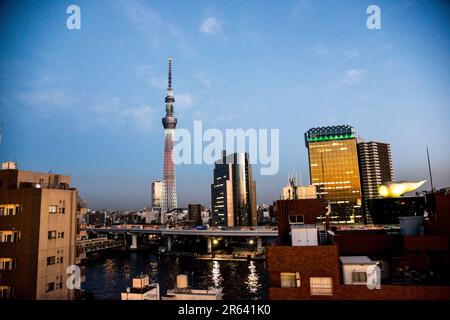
(253, 279)
(216, 277)
(109, 274)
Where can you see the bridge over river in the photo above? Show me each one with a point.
(257, 233)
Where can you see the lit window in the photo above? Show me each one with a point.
(9, 209)
(290, 279)
(321, 286)
(6, 292)
(52, 209)
(9, 236)
(8, 263)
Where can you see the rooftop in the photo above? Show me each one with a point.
(320, 134)
(355, 260)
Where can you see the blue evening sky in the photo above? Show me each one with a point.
(88, 103)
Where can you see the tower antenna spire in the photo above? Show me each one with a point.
(429, 171)
(170, 73)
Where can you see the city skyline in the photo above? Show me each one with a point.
(93, 112)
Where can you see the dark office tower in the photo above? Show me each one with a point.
(195, 213)
(333, 169)
(375, 167)
(233, 193)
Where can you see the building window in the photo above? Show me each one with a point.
(50, 287)
(51, 260)
(299, 218)
(290, 279)
(321, 286)
(52, 209)
(52, 235)
(8, 263)
(9, 236)
(6, 292)
(60, 285)
(9, 209)
(359, 277)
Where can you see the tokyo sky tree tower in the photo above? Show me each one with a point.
(169, 200)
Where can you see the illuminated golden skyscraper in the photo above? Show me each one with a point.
(333, 168)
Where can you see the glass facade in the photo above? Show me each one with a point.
(333, 165)
(233, 193)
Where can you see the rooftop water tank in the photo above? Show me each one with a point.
(141, 282)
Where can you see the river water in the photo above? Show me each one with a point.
(110, 273)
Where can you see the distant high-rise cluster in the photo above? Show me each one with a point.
(233, 192)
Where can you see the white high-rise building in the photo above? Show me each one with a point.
(157, 194)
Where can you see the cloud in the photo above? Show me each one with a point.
(363, 97)
(203, 79)
(158, 82)
(114, 112)
(146, 72)
(353, 76)
(301, 7)
(210, 26)
(350, 53)
(322, 50)
(47, 98)
(349, 78)
(201, 115)
(159, 29)
(183, 100)
(141, 117)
